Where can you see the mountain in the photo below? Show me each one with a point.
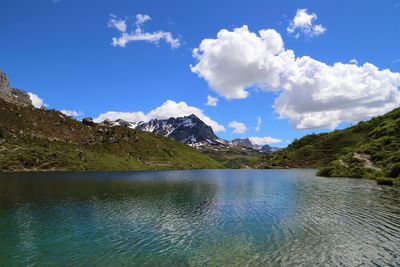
(247, 143)
(193, 131)
(13, 95)
(370, 149)
(187, 130)
(270, 149)
(40, 139)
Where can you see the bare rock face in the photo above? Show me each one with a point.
(12, 95)
(4, 82)
(88, 121)
(106, 123)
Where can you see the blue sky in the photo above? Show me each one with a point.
(62, 51)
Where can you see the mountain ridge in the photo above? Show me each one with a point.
(194, 132)
(369, 149)
(33, 139)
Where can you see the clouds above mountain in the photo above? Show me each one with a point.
(139, 34)
(312, 94)
(264, 140)
(303, 24)
(165, 111)
(238, 127)
(37, 102)
(212, 101)
(71, 113)
(259, 121)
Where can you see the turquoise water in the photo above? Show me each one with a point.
(197, 218)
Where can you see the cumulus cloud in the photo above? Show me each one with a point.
(238, 127)
(264, 140)
(71, 113)
(139, 34)
(212, 101)
(259, 121)
(312, 94)
(302, 23)
(167, 110)
(37, 102)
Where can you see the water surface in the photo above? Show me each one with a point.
(194, 218)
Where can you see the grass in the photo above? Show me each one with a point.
(333, 153)
(39, 139)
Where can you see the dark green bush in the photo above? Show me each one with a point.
(394, 171)
(325, 171)
(385, 181)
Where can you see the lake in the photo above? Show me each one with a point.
(195, 218)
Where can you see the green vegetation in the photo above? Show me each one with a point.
(370, 149)
(233, 158)
(39, 139)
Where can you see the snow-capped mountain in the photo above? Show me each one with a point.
(188, 129)
(192, 131)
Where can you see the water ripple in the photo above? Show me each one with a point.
(197, 218)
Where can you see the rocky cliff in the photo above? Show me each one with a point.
(12, 95)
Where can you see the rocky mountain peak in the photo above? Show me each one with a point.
(245, 142)
(188, 129)
(12, 95)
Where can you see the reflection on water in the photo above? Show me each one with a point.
(192, 218)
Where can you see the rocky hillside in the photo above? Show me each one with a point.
(13, 95)
(39, 139)
(247, 143)
(370, 149)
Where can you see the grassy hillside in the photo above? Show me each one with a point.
(233, 157)
(370, 149)
(38, 139)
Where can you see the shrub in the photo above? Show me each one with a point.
(385, 181)
(325, 171)
(394, 171)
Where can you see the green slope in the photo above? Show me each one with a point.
(370, 149)
(39, 139)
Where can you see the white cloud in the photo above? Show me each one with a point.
(239, 59)
(259, 121)
(212, 101)
(312, 94)
(37, 102)
(304, 23)
(167, 110)
(353, 61)
(138, 34)
(71, 113)
(239, 127)
(118, 24)
(264, 140)
(140, 19)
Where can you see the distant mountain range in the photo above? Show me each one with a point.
(192, 131)
(247, 143)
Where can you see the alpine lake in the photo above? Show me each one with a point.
(197, 218)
